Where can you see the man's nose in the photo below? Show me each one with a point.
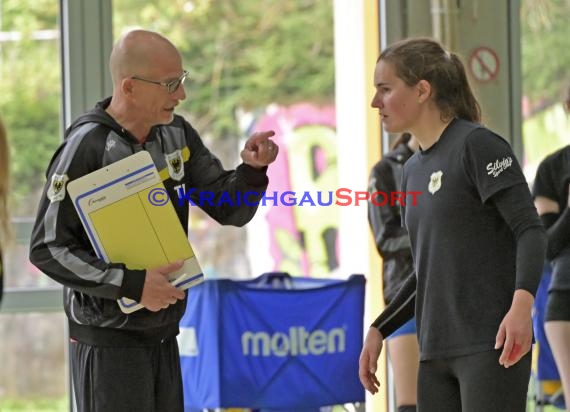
(180, 93)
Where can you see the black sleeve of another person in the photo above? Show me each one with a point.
(557, 230)
(515, 206)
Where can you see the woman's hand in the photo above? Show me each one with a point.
(368, 362)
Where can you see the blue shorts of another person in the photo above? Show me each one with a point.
(408, 328)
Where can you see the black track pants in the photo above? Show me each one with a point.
(473, 383)
(125, 379)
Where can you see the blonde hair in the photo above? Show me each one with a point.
(4, 184)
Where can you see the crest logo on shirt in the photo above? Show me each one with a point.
(175, 163)
(499, 166)
(435, 182)
(110, 144)
(56, 191)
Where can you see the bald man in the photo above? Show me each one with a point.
(130, 362)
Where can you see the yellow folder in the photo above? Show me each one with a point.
(128, 217)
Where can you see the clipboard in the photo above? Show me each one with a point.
(128, 217)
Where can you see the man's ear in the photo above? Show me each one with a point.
(424, 90)
(127, 86)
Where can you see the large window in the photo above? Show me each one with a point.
(546, 79)
(32, 364)
(30, 99)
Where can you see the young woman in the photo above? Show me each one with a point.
(477, 243)
(4, 184)
(393, 244)
(552, 200)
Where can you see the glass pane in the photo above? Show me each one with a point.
(32, 355)
(546, 82)
(253, 66)
(32, 350)
(30, 100)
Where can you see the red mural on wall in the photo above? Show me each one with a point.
(303, 239)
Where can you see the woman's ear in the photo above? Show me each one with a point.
(424, 90)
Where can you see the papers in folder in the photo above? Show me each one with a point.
(114, 205)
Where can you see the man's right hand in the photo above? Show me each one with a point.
(157, 292)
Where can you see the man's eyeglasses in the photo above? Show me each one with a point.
(171, 86)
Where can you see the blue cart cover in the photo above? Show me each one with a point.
(273, 342)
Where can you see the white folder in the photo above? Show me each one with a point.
(128, 217)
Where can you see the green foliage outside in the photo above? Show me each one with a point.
(45, 405)
(545, 132)
(545, 60)
(242, 54)
(30, 95)
(545, 52)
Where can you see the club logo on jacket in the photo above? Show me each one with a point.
(498, 166)
(435, 182)
(56, 191)
(175, 163)
(110, 144)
